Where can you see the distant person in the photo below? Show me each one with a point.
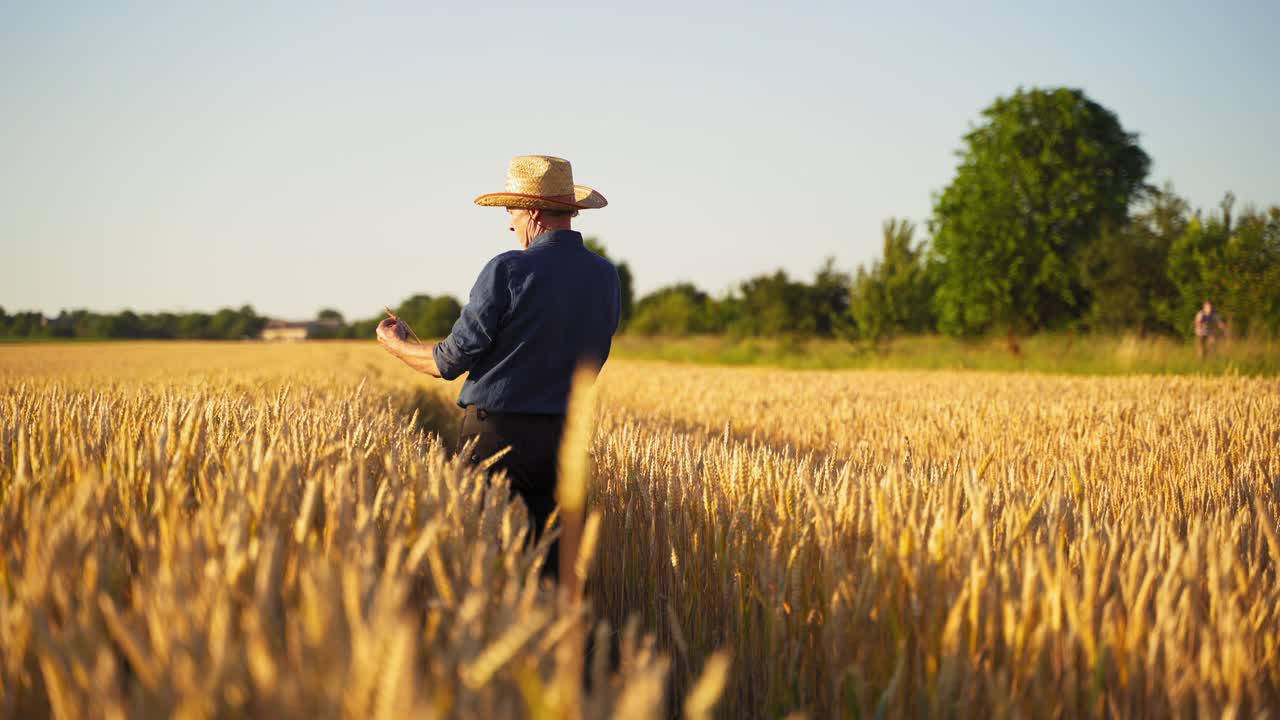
(1207, 327)
(533, 317)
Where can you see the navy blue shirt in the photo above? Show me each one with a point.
(533, 316)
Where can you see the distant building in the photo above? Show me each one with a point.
(287, 330)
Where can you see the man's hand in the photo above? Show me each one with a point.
(394, 336)
(392, 333)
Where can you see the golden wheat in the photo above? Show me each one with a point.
(949, 544)
(273, 541)
(203, 529)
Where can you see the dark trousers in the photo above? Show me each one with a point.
(530, 464)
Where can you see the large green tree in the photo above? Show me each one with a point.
(1038, 180)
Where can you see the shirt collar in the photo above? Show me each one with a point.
(557, 236)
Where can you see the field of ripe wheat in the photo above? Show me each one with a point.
(207, 529)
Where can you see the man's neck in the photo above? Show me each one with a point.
(545, 229)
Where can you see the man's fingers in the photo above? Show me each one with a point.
(390, 328)
(386, 330)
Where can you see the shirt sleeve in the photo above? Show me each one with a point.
(477, 328)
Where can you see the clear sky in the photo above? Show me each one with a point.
(189, 156)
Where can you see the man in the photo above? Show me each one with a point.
(1207, 325)
(533, 317)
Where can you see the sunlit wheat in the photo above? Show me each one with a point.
(200, 529)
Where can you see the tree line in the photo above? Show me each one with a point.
(1148, 276)
(1048, 224)
(429, 316)
(225, 324)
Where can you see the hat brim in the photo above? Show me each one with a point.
(584, 199)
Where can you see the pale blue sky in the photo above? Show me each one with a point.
(297, 156)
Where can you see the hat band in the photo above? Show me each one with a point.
(539, 186)
(569, 200)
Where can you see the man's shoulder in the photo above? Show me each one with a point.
(602, 268)
(604, 263)
(503, 261)
(508, 256)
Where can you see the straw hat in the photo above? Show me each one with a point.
(542, 181)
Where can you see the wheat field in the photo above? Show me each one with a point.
(203, 529)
